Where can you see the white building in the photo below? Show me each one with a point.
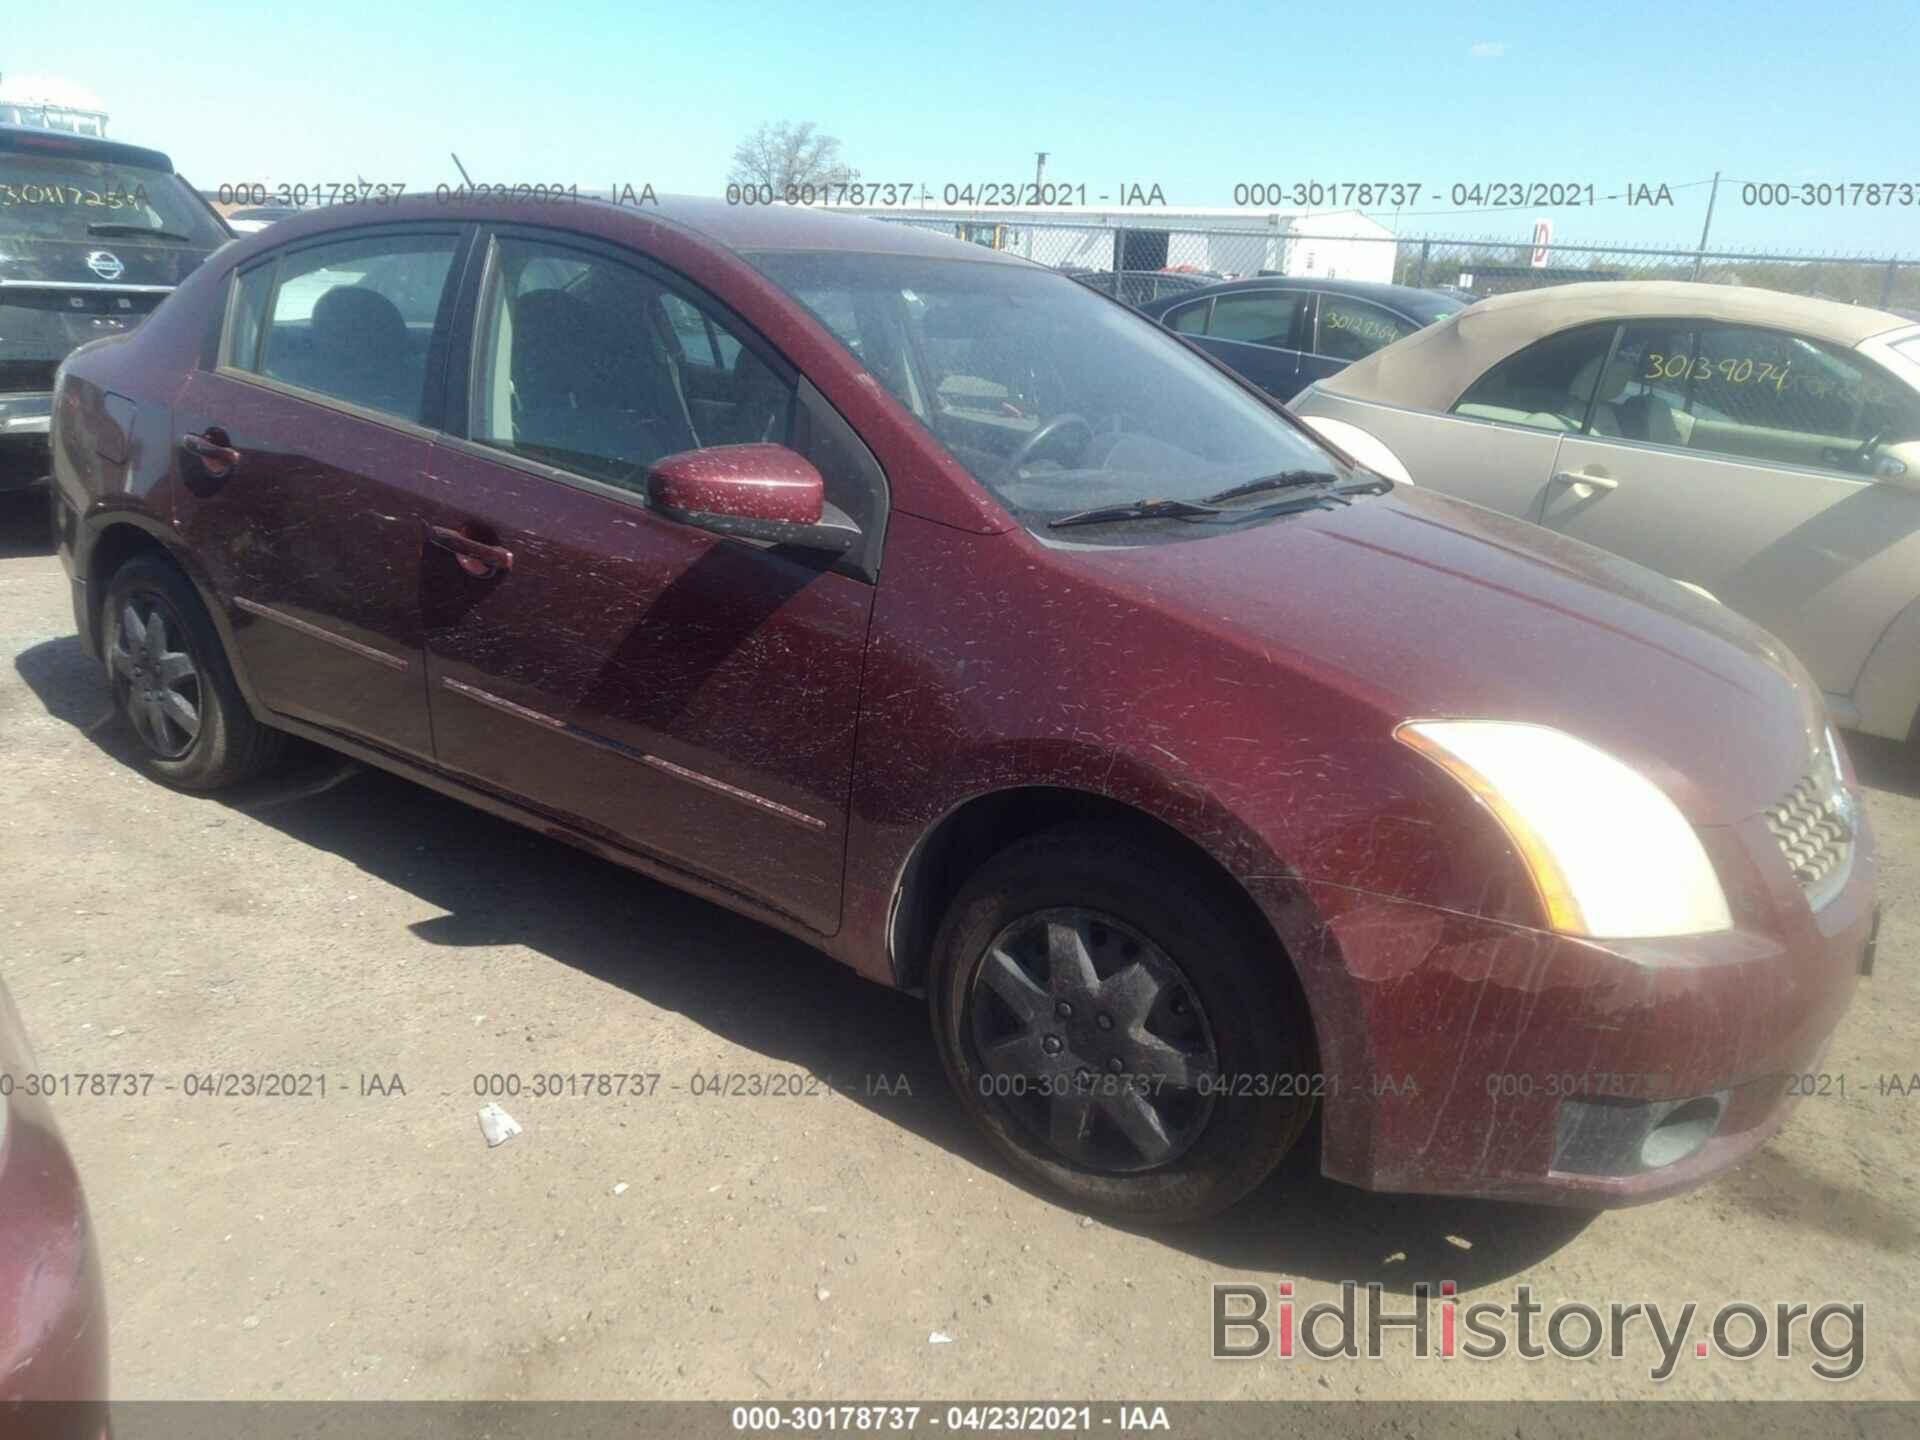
(1338, 245)
(51, 104)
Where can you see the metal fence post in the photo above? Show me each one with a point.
(1420, 281)
(1119, 260)
(1886, 285)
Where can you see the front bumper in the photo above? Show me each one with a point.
(1472, 1057)
(28, 414)
(25, 421)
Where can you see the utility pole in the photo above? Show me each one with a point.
(1701, 254)
(1039, 172)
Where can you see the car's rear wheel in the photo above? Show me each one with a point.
(172, 684)
(1119, 1027)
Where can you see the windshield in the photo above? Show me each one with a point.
(47, 197)
(1054, 398)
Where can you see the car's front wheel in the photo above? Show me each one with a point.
(172, 684)
(1118, 1027)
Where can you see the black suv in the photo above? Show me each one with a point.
(93, 235)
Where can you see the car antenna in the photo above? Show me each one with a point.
(462, 169)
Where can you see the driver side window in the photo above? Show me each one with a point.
(593, 366)
(1753, 394)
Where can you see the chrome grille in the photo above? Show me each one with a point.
(1815, 835)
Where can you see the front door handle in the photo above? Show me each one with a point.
(216, 457)
(1581, 477)
(476, 557)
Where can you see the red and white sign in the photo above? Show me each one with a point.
(1542, 238)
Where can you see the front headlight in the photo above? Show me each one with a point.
(1610, 855)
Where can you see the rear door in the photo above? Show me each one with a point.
(685, 695)
(1259, 333)
(1739, 459)
(301, 464)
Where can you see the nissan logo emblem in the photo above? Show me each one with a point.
(105, 264)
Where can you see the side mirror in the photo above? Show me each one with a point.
(766, 493)
(1898, 464)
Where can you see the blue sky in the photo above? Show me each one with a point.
(1193, 97)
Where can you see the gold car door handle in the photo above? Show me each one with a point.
(1581, 477)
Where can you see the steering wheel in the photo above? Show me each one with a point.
(1049, 432)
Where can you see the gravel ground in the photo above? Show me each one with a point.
(342, 923)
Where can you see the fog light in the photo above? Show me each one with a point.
(1627, 1137)
(1680, 1132)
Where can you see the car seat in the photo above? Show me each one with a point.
(359, 351)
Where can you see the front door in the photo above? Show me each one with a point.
(300, 468)
(688, 696)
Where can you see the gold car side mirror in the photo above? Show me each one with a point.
(1898, 464)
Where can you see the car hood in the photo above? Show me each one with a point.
(1423, 607)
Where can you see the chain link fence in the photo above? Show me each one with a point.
(1146, 262)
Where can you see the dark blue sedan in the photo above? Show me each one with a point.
(1285, 333)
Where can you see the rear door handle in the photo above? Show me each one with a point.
(216, 457)
(476, 557)
(1581, 477)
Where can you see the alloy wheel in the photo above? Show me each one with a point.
(1092, 1037)
(154, 675)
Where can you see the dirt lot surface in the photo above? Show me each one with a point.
(340, 923)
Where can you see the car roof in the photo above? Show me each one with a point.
(1403, 297)
(800, 227)
(745, 229)
(37, 140)
(1432, 368)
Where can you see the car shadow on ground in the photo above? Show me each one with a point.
(500, 884)
(24, 525)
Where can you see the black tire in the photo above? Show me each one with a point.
(227, 745)
(1252, 1021)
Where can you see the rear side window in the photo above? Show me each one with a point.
(1546, 386)
(1190, 319)
(1352, 329)
(353, 320)
(1262, 319)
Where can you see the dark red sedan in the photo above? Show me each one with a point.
(935, 609)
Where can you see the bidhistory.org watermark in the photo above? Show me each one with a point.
(1434, 1322)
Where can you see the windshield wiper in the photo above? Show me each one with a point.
(1135, 510)
(115, 227)
(1285, 480)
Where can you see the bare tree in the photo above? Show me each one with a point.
(789, 154)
